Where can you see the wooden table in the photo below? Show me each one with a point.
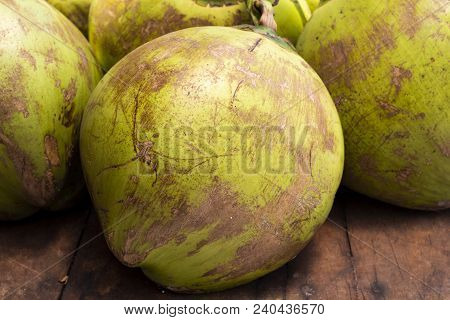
(366, 250)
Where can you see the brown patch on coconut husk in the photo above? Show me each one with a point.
(257, 255)
(336, 56)
(401, 153)
(28, 57)
(398, 76)
(409, 20)
(180, 239)
(70, 93)
(445, 149)
(83, 63)
(404, 174)
(12, 95)
(389, 109)
(68, 114)
(150, 29)
(272, 245)
(51, 150)
(51, 56)
(148, 77)
(330, 142)
(401, 135)
(222, 208)
(382, 38)
(420, 116)
(146, 70)
(339, 101)
(368, 165)
(41, 190)
(127, 203)
(328, 138)
(339, 64)
(218, 206)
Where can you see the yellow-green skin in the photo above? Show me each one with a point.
(46, 78)
(386, 66)
(291, 17)
(116, 27)
(76, 10)
(163, 147)
(313, 4)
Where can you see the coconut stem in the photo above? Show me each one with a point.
(262, 12)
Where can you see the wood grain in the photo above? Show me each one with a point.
(324, 270)
(399, 253)
(35, 254)
(387, 253)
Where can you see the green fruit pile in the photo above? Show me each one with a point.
(47, 73)
(213, 153)
(386, 66)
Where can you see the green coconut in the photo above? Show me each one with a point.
(212, 155)
(47, 73)
(117, 27)
(386, 66)
(76, 10)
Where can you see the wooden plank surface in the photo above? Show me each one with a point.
(35, 254)
(399, 253)
(324, 270)
(386, 253)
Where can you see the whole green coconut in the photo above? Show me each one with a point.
(76, 10)
(116, 27)
(386, 66)
(47, 73)
(212, 155)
